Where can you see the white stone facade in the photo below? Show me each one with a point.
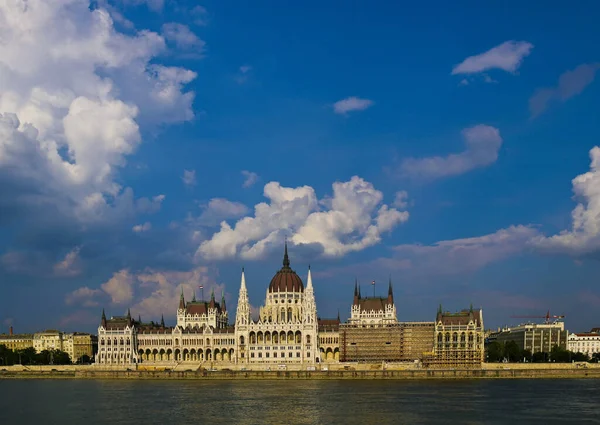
(586, 343)
(286, 331)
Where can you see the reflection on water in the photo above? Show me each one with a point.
(299, 402)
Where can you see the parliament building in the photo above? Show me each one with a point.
(289, 333)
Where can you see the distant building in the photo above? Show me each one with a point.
(586, 343)
(458, 339)
(535, 337)
(16, 341)
(84, 344)
(48, 340)
(372, 311)
(117, 340)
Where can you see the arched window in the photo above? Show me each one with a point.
(289, 315)
(242, 340)
(308, 339)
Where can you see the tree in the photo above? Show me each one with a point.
(495, 352)
(526, 355)
(512, 351)
(85, 359)
(539, 357)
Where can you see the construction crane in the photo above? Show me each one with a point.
(546, 318)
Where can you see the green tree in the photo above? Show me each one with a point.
(526, 355)
(512, 351)
(495, 352)
(539, 357)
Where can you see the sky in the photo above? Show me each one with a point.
(149, 147)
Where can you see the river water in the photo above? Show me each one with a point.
(115, 402)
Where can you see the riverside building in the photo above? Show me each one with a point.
(287, 332)
(586, 343)
(535, 337)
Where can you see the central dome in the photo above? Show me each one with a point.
(286, 280)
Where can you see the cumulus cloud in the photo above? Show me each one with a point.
(120, 287)
(400, 199)
(73, 94)
(250, 178)
(83, 296)
(189, 177)
(507, 56)
(219, 209)
(70, 265)
(182, 36)
(584, 236)
(141, 228)
(149, 292)
(483, 143)
(354, 219)
(570, 84)
(350, 104)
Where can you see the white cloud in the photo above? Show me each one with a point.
(351, 103)
(570, 84)
(160, 290)
(84, 296)
(483, 143)
(189, 177)
(400, 200)
(355, 220)
(200, 15)
(150, 292)
(70, 265)
(140, 228)
(250, 178)
(182, 36)
(584, 236)
(219, 209)
(507, 56)
(73, 94)
(120, 287)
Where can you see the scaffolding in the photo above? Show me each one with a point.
(391, 342)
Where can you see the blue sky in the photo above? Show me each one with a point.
(451, 148)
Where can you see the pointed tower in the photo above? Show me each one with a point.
(310, 306)
(181, 300)
(129, 321)
(242, 316)
(103, 321)
(162, 320)
(194, 297)
(390, 298)
(223, 307)
(139, 319)
(212, 299)
(356, 296)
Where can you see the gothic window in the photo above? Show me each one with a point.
(308, 339)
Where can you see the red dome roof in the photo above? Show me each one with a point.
(286, 279)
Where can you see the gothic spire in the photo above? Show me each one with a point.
(103, 319)
(390, 298)
(162, 320)
(356, 296)
(181, 300)
(286, 259)
(223, 308)
(309, 284)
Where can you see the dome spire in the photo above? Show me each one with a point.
(286, 259)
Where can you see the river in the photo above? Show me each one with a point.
(91, 402)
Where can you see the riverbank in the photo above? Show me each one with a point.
(500, 372)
